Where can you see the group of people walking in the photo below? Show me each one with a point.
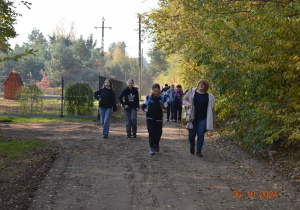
(174, 99)
(168, 100)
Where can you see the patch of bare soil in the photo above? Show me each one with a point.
(118, 173)
(20, 178)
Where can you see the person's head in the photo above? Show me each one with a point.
(203, 85)
(130, 83)
(178, 87)
(108, 84)
(166, 85)
(155, 90)
(172, 87)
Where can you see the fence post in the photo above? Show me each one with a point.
(62, 98)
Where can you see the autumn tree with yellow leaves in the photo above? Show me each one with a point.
(250, 53)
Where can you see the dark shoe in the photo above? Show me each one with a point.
(199, 154)
(157, 148)
(134, 135)
(152, 151)
(179, 121)
(192, 150)
(167, 120)
(128, 135)
(105, 137)
(174, 121)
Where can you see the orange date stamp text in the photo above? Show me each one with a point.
(253, 194)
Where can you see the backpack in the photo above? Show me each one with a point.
(162, 98)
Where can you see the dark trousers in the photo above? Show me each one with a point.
(169, 110)
(155, 131)
(179, 114)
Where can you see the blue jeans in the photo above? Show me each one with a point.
(105, 117)
(131, 124)
(199, 128)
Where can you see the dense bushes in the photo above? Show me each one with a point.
(79, 98)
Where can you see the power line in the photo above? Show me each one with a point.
(102, 46)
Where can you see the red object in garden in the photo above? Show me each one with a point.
(12, 85)
(44, 83)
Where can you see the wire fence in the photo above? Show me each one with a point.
(51, 100)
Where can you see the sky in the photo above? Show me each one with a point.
(120, 15)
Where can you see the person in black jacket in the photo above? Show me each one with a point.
(107, 101)
(165, 89)
(131, 106)
(154, 105)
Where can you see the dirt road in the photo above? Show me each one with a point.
(118, 173)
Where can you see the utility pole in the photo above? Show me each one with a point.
(140, 57)
(102, 46)
(142, 66)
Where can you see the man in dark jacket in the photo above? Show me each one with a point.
(131, 106)
(165, 89)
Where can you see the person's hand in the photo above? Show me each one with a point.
(126, 106)
(137, 109)
(99, 99)
(167, 94)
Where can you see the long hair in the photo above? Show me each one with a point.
(110, 82)
(153, 87)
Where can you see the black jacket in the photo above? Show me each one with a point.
(165, 89)
(131, 97)
(108, 99)
(154, 107)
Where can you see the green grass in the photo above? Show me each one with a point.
(15, 148)
(117, 116)
(5, 119)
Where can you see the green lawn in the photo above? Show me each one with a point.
(9, 119)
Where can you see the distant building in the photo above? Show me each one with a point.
(12, 86)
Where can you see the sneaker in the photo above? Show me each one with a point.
(199, 154)
(157, 148)
(167, 120)
(134, 135)
(192, 150)
(152, 151)
(128, 135)
(179, 121)
(174, 121)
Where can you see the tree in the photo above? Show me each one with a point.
(79, 98)
(158, 63)
(8, 17)
(31, 100)
(249, 51)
